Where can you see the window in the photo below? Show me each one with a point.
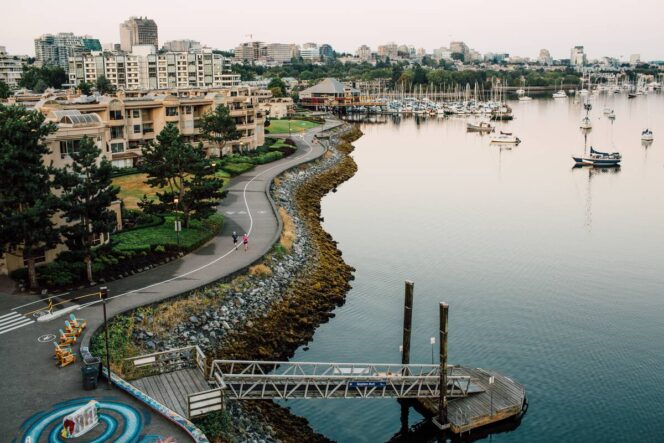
(171, 111)
(188, 109)
(147, 128)
(117, 132)
(117, 147)
(137, 129)
(136, 113)
(116, 115)
(68, 146)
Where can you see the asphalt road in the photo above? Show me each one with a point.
(30, 382)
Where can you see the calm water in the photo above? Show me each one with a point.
(553, 274)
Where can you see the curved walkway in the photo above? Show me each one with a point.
(30, 380)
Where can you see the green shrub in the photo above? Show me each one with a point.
(267, 157)
(238, 168)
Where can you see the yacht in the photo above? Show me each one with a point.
(505, 137)
(647, 135)
(560, 94)
(480, 127)
(597, 158)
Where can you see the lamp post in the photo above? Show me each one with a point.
(103, 294)
(176, 201)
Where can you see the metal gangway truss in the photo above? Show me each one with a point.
(252, 380)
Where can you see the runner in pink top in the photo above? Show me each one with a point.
(245, 241)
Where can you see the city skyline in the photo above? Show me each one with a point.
(498, 28)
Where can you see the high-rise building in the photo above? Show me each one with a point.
(250, 51)
(56, 49)
(389, 50)
(545, 57)
(442, 54)
(326, 51)
(138, 31)
(460, 48)
(280, 52)
(310, 51)
(635, 59)
(181, 46)
(577, 56)
(11, 67)
(363, 53)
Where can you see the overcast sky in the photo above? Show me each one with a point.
(519, 27)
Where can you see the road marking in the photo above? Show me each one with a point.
(242, 212)
(230, 212)
(46, 338)
(13, 320)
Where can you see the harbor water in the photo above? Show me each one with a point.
(554, 275)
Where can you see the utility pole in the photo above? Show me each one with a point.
(103, 293)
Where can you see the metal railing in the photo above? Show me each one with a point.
(263, 380)
(163, 362)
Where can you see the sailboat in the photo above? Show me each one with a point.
(598, 158)
(585, 122)
(561, 92)
(647, 135)
(481, 126)
(505, 137)
(523, 97)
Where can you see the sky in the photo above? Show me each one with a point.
(518, 27)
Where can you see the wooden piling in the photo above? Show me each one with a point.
(407, 322)
(442, 400)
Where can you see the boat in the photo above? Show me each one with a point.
(586, 123)
(631, 95)
(520, 91)
(647, 135)
(611, 115)
(505, 137)
(525, 98)
(598, 158)
(608, 111)
(560, 94)
(480, 127)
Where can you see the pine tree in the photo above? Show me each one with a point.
(87, 193)
(184, 172)
(219, 127)
(27, 204)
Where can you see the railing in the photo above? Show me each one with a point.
(285, 380)
(163, 362)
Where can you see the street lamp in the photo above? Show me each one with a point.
(178, 227)
(103, 294)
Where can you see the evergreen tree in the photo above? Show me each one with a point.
(27, 204)
(85, 88)
(219, 127)
(184, 172)
(104, 86)
(87, 193)
(4, 90)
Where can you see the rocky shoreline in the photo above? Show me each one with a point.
(267, 313)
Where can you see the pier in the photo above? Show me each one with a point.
(191, 385)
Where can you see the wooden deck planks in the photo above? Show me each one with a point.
(478, 409)
(172, 389)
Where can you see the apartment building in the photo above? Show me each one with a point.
(389, 50)
(56, 49)
(130, 121)
(144, 69)
(138, 31)
(72, 127)
(363, 53)
(11, 67)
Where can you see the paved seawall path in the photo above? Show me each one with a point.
(31, 382)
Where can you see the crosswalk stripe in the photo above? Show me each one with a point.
(13, 320)
(25, 323)
(11, 314)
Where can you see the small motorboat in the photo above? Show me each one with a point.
(586, 123)
(525, 98)
(598, 158)
(505, 137)
(647, 135)
(560, 94)
(480, 127)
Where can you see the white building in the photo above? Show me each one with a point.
(310, 51)
(363, 53)
(281, 52)
(545, 57)
(635, 59)
(144, 69)
(181, 46)
(11, 67)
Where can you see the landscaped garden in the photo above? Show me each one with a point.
(289, 126)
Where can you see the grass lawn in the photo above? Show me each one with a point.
(280, 143)
(198, 232)
(133, 187)
(281, 126)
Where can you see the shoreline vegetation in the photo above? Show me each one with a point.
(308, 273)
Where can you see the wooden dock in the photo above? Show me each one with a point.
(172, 389)
(486, 405)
